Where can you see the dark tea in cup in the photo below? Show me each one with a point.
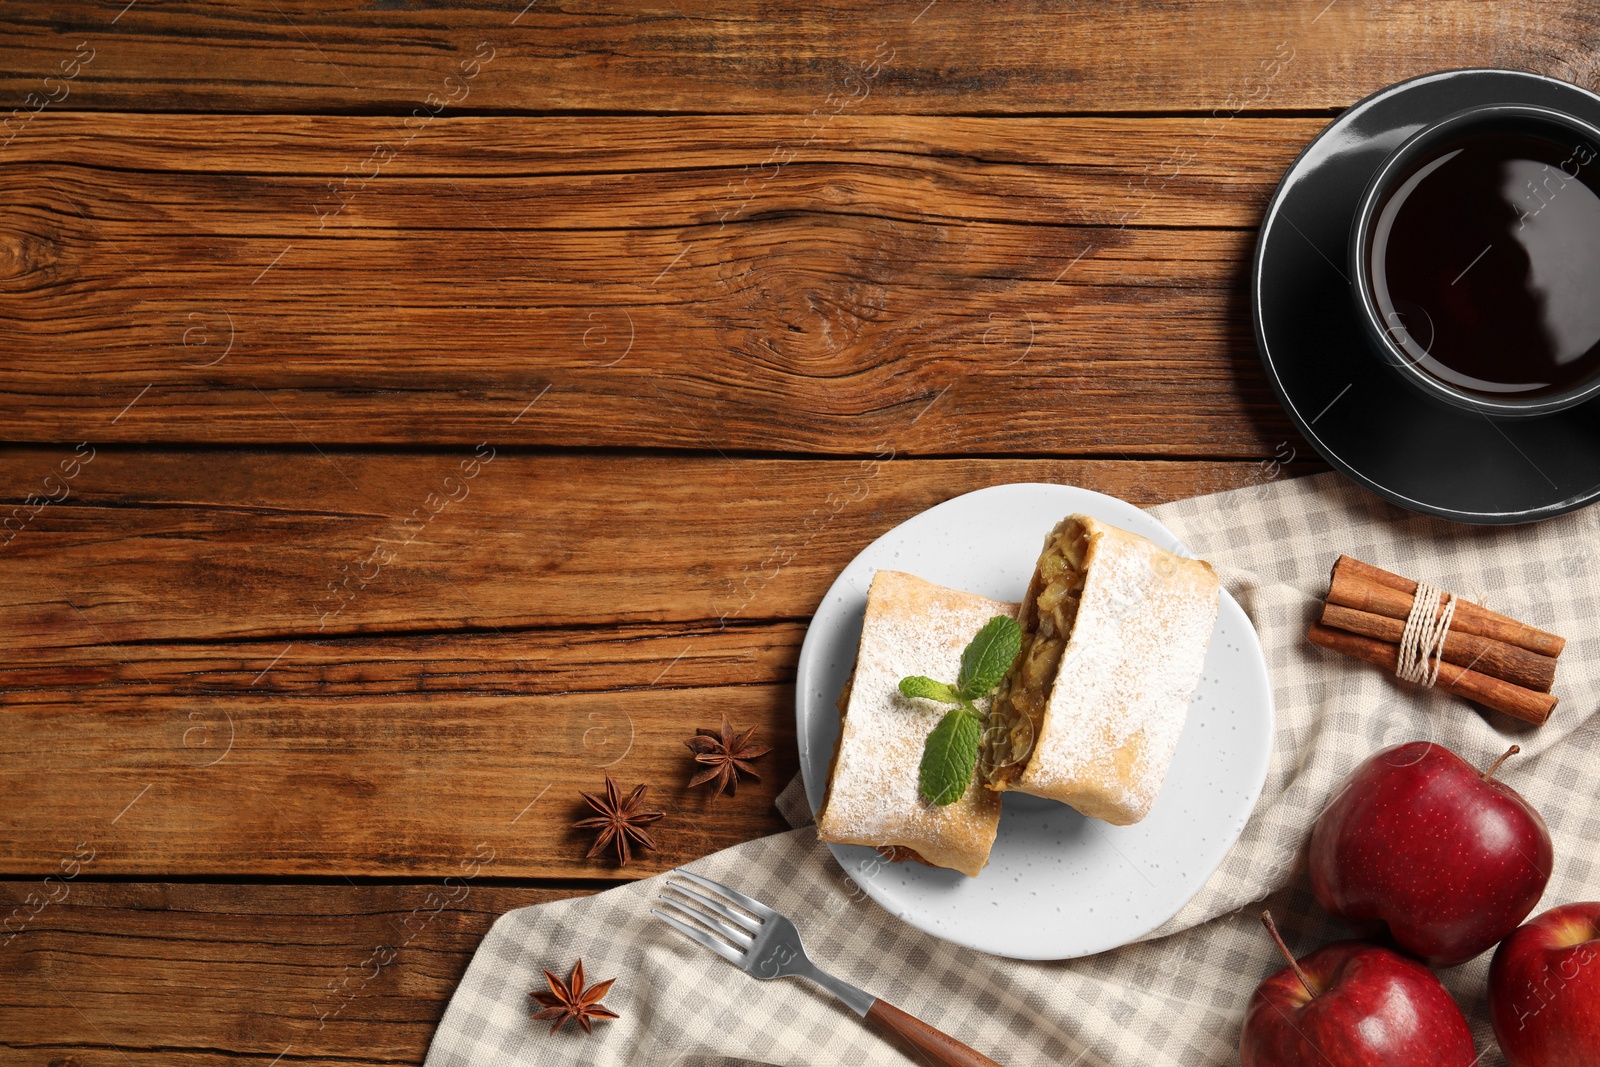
(1478, 260)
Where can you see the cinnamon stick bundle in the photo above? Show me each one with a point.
(1487, 657)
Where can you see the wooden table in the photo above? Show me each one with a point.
(420, 412)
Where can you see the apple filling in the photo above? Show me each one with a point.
(1047, 621)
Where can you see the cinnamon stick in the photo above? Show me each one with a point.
(1482, 654)
(1493, 693)
(1362, 586)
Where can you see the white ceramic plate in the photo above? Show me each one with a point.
(1058, 885)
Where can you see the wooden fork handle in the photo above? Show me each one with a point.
(935, 1046)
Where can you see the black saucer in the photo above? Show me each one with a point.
(1356, 411)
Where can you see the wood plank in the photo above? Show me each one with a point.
(1064, 285)
(953, 56)
(946, 152)
(185, 545)
(245, 785)
(205, 975)
(311, 757)
(516, 662)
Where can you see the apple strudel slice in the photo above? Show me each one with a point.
(1114, 637)
(912, 627)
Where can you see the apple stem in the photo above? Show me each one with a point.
(1294, 965)
(1495, 766)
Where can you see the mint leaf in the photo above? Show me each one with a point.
(949, 757)
(989, 656)
(928, 689)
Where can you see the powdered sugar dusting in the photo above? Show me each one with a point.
(911, 627)
(1127, 677)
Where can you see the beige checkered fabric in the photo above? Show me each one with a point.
(1177, 998)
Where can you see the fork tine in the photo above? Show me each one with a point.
(753, 906)
(727, 930)
(721, 948)
(743, 921)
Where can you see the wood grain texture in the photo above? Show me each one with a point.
(339, 756)
(181, 545)
(1072, 286)
(949, 56)
(246, 785)
(204, 975)
(596, 659)
(709, 283)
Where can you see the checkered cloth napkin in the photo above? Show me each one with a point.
(1177, 997)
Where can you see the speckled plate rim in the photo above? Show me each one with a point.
(818, 683)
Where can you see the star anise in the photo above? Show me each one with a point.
(570, 1000)
(621, 821)
(725, 756)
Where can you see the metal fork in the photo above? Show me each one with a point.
(765, 944)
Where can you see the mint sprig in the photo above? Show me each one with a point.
(950, 754)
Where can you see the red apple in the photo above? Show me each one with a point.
(1449, 858)
(1544, 990)
(1353, 1004)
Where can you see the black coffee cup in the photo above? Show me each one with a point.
(1475, 260)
